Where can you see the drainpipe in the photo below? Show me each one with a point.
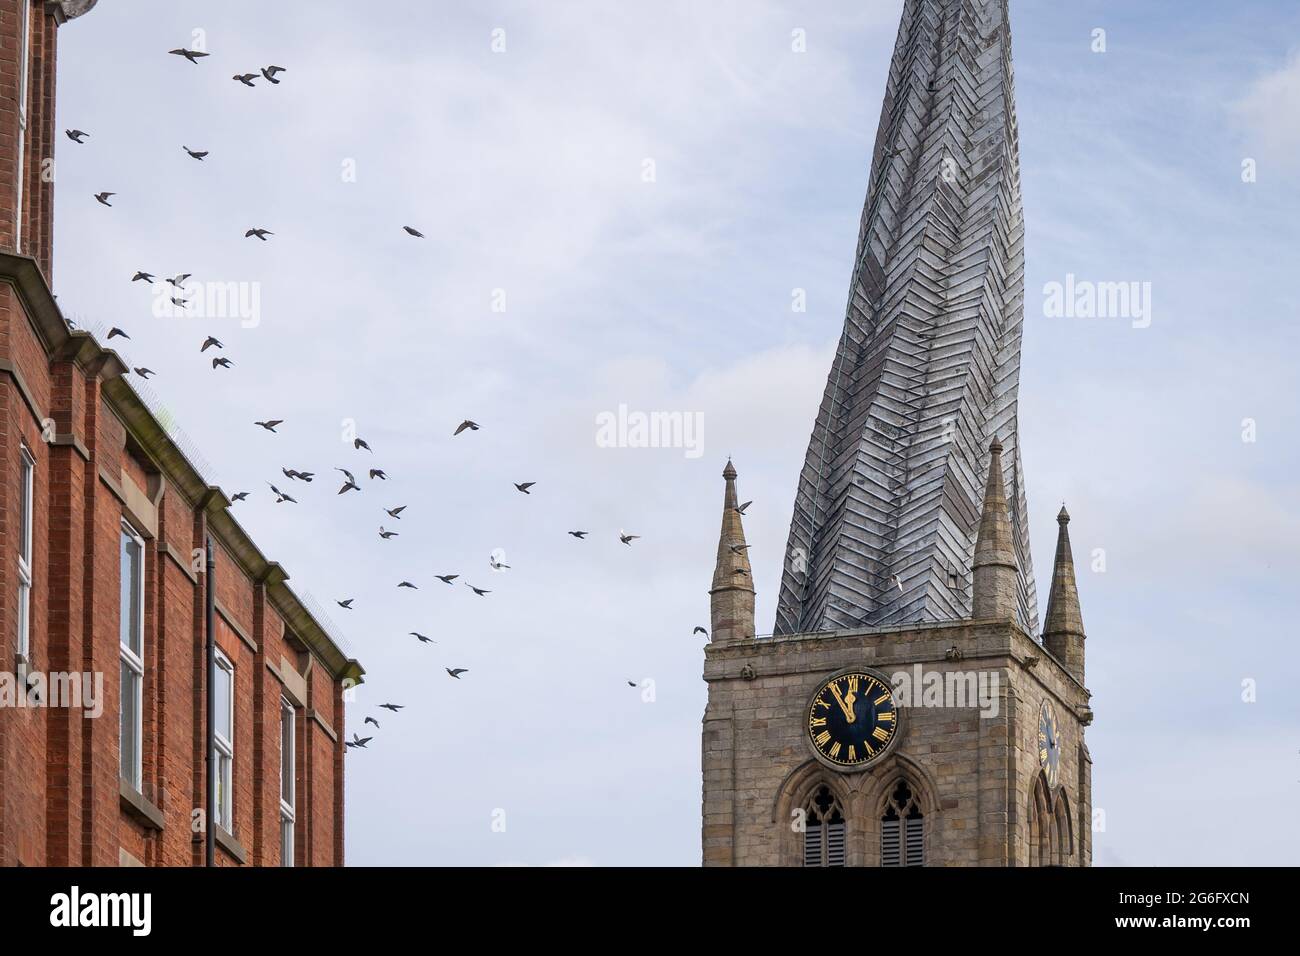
(210, 824)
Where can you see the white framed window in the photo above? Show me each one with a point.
(287, 801)
(223, 755)
(24, 65)
(26, 484)
(132, 652)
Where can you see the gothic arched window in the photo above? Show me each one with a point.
(902, 829)
(823, 838)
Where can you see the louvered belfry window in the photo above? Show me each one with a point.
(823, 838)
(902, 829)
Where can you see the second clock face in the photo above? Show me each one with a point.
(1049, 744)
(852, 719)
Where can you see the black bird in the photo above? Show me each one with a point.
(446, 578)
(350, 484)
(393, 707)
(358, 741)
(472, 426)
(292, 473)
(115, 331)
(245, 78)
(631, 683)
(210, 341)
(627, 539)
(196, 153)
(260, 233)
(457, 671)
(407, 584)
(479, 591)
(396, 512)
(191, 55)
(180, 279)
(525, 486)
(700, 630)
(103, 198)
(741, 509)
(223, 362)
(179, 303)
(358, 444)
(580, 535)
(238, 496)
(147, 277)
(270, 423)
(346, 605)
(280, 496)
(371, 720)
(270, 71)
(382, 533)
(414, 232)
(739, 548)
(144, 373)
(378, 473)
(422, 639)
(76, 135)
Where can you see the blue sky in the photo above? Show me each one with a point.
(525, 170)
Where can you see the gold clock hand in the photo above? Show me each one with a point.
(848, 710)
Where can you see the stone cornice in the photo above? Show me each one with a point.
(81, 348)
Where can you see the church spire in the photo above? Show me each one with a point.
(1063, 628)
(731, 603)
(995, 558)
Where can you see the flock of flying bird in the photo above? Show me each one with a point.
(178, 295)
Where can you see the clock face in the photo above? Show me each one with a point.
(1049, 744)
(852, 720)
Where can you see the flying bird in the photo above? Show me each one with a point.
(198, 154)
(346, 604)
(627, 539)
(631, 683)
(115, 331)
(479, 591)
(103, 198)
(358, 444)
(358, 741)
(270, 423)
(396, 512)
(223, 362)
(260, 233)
(270, 71)
(382, 533)
(291, 474)
(144, 373)
(700, 630)
(179, 280)
(446, 578)
(580, 535)
(280, 496)
(422, 639)
(238, 496)
(741, 509)
(179, 303)
(191, 55)
(472, 426)
(407, 584)
(378, 473)
(739, 548)
(209, 342)
(371, 720)
(76, 135)
(525, 486)
(457, 671)
(147, 277)
(245, 78)
(497, 565)
(414, 232)
(393, 707)
(350, 484)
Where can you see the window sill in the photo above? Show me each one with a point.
(228, 843)
(135, 804)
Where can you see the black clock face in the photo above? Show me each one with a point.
(852, 719)
(1049, 744)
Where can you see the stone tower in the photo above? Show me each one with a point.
(905, 713)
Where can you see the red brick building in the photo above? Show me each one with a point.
(103, 522)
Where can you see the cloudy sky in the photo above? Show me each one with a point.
(618, 201)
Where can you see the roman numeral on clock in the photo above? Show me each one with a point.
(881, 734)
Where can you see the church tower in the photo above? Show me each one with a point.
(905, 712)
